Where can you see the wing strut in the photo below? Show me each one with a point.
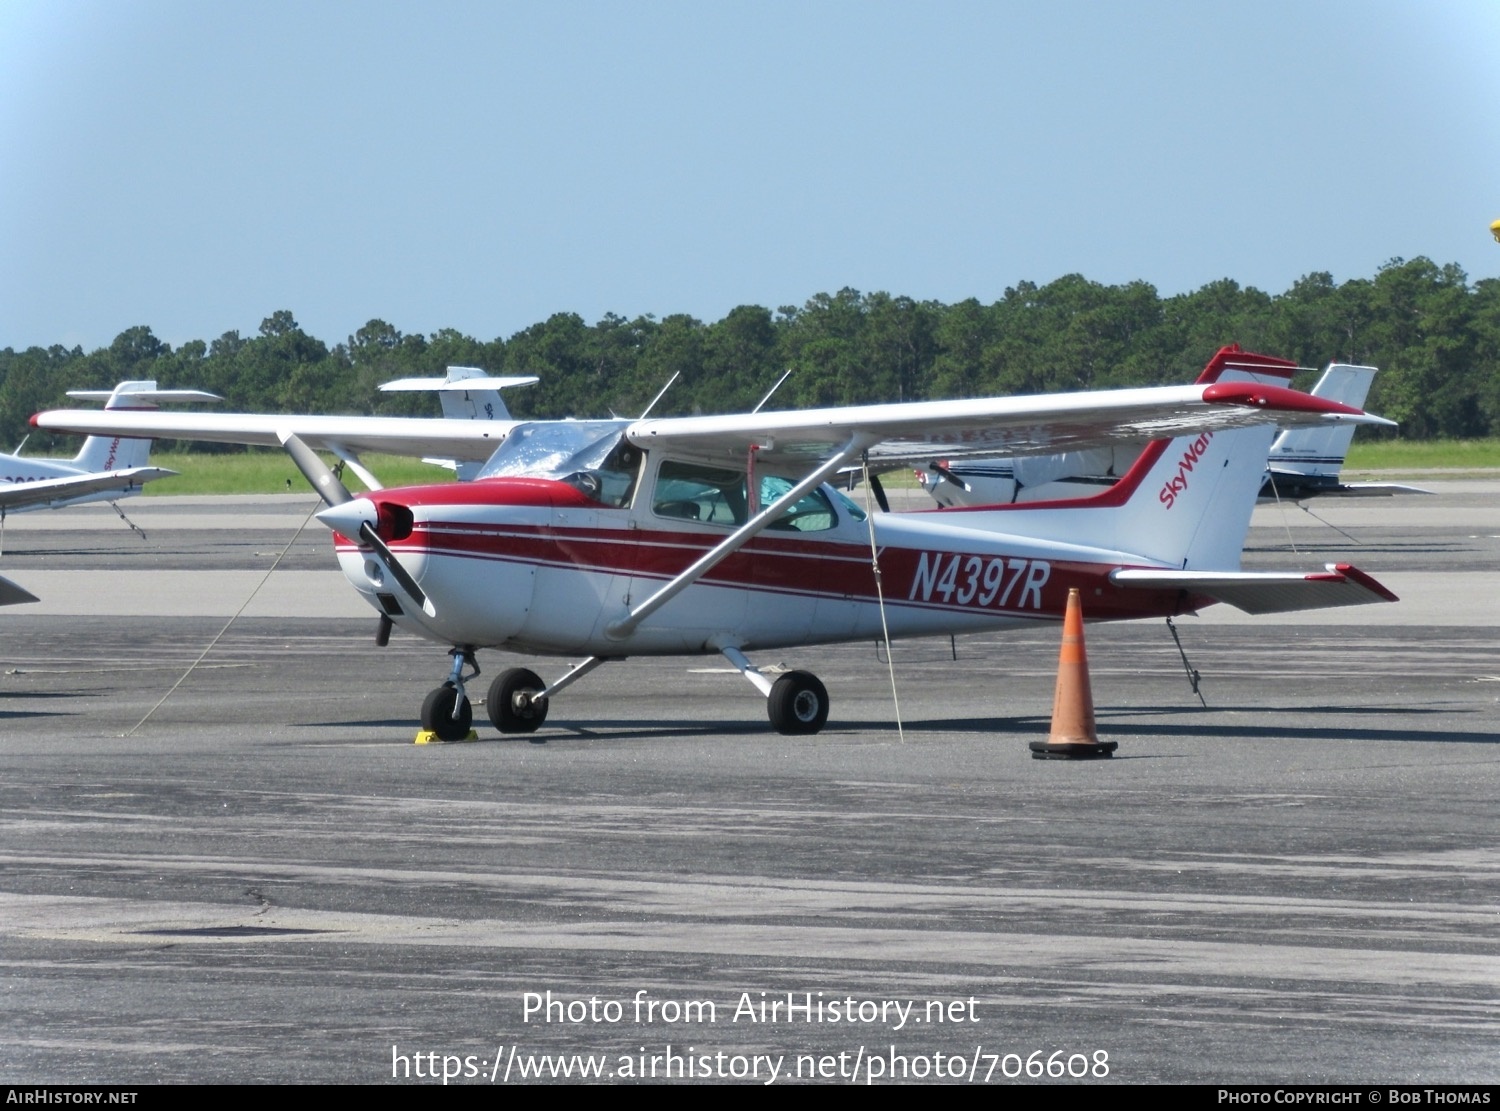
(619, 630)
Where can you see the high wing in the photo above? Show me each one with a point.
(415, 436)
(796, 442)
(59, 491)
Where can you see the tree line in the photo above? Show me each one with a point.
(1434, 335)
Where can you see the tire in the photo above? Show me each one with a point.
(437, 714)
(501, 701)
(798, 704)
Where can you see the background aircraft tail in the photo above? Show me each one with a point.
(1320, 452)
(114, 453)
(466, 393)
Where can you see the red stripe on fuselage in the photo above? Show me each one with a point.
(956, 582)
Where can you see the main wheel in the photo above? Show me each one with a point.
(437, 714)
(798, 703)
(510, 714)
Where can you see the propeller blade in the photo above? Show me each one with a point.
(323, 480)
(939, 469)
(332, 491)
(368, 535)
(879, 491)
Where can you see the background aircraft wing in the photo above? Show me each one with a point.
(1043, 424)
(1267, 591)
(46, 491)
(415, 436)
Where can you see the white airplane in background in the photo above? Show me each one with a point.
(1303, 462)
(473, 424)
(106, 468)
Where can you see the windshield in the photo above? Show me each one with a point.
(591, 455)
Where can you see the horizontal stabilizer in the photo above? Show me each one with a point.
(145, 396)
(437, 385)
(1372, 490)
(1266, 591)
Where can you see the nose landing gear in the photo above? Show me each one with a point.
(447, 712)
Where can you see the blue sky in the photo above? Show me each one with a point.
(480, 166)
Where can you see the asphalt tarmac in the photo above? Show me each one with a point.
(263, 880)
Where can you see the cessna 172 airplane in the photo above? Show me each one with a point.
(699, 535)
(1303, 462)
(107, 467)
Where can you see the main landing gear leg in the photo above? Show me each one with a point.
(517, 702)
(797, 703)
(447, 711)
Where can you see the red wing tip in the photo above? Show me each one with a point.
(1349, 571)
(1274, 397)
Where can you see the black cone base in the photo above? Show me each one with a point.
(1047, 750)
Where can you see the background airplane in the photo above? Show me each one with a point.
(700, 535)
(473, 424)
(107, 467)
(1302, 463)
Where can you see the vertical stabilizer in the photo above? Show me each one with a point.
(1184, 503)
(1320, 452)
(114, 453)
(466, 393)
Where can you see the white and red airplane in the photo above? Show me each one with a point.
(107, 467)
(701, 535)
(697, 535)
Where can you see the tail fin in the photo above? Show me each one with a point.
(112, 453)
(466, 393)
(1184, 503)
(1320, 452)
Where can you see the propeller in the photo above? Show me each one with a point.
(939, 469)
(350, 515)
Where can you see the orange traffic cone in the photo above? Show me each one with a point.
(1073, 736)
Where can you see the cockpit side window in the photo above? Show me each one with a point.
(810, 513)
(716, 496)
(690, 492)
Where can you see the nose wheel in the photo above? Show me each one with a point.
(446, 711)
